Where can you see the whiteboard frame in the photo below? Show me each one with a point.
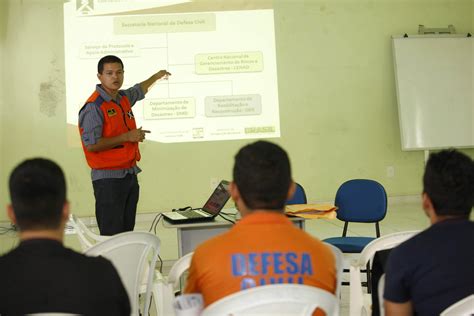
(408, 144)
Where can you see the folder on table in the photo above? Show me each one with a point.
(311, 210)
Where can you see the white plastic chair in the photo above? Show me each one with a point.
(464, 307)
(274, 299)
(131, 253)
(381, 287)
(164, 290)
(161, 295)
(52, 314)
(86, 237)
(358, 304)
(339, 258)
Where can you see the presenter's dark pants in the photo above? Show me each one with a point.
(116, 204)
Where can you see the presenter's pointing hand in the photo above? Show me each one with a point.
(162, 74)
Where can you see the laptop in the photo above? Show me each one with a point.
(211, 208)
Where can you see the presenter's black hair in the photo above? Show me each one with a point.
(109, 59)
(449, 182)
(37, 193)
(262, 174)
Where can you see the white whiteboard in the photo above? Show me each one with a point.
(434, 80)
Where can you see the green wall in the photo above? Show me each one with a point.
(3, 183)
(336, 88)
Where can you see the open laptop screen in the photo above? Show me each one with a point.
(218, 199)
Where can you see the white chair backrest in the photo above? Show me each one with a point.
(339, 257)
(131, 252)
(87, 238)
(178, 268)
(464, 307)
(52, 314)
(164, 290)
(356, 304)
(383, 242)
(275, 299)
(380, 288)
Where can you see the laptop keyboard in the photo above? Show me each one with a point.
(190, 214)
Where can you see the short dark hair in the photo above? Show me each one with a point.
(37, 193)
(449, 182)
(262, 174)
(109, 59)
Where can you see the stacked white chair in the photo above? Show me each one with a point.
(87, 237)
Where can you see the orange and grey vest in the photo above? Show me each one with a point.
(118, 119)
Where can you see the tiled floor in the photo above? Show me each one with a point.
(403, 214)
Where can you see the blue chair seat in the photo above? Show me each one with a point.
(349, 244)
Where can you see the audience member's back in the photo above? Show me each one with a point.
(41, 275)
(264, 247)
(434, 269)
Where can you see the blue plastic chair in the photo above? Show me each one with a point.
(299, 197)
(360, 201)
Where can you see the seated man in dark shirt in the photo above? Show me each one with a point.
(434, 269)
(41, 275)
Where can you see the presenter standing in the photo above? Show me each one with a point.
(110, 140)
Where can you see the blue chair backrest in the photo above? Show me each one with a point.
(361, 200)
(299, 197)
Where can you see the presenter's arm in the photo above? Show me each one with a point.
(105, 143)
(145, 85)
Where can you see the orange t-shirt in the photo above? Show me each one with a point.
(263, 248)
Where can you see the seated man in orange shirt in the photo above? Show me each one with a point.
(264, 247)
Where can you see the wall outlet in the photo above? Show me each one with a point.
(390, 171)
